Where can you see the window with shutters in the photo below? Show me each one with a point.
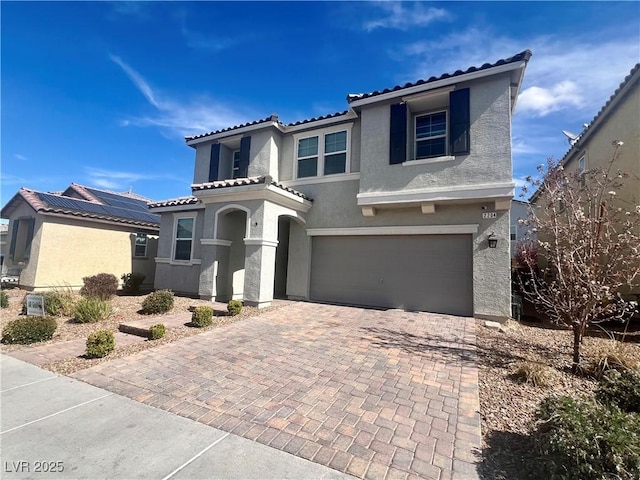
(321, 153)
(430, 127)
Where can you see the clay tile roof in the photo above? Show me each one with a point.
(525, 55)
(174, 202)
(315, 119)
(271, 118)
(238, 182)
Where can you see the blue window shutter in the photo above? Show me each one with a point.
(27, 249)
(14, 234)
(398, 134)
(459, 122)
(245, 146)
(214, 164)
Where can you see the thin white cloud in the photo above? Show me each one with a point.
(20, 157)
(185, 117)
(122, 180)
(137, 80)
(400, 17)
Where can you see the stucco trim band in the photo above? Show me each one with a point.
(343, 177)
(261, 241)
(215, 241)
(467, 192)
(407, 230)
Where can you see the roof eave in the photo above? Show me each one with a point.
(440, 83)
(231, 132)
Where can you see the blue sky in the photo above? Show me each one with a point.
(103, 93)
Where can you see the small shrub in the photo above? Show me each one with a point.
(59, 301)
(4, 299)
(202, 316)
(29, 330)
(160, 301)
(90, 310)
(100, 344)
(621, 389)
(234, 307)
(157, 331)
(131, 282)
(102, 286)
(535, 373)
(583, 439)
(613, 355)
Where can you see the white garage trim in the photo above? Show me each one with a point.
(409, 230)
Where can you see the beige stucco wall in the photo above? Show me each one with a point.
(65, 250)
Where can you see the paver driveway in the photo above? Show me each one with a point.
(376, 394)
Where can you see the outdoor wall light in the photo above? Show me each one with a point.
(493, 240)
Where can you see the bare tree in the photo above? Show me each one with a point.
(588, 247)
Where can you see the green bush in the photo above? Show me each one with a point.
(100, 344)
(29, 330)
(234, 307)
(102, 286)
(131, 282)
(584, 439)
(59, 302)
(4, 299)
(160, 301)
(202, 316)
(90, 310)
(157, 331)
(621, 389)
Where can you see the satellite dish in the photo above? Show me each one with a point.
(572, 137)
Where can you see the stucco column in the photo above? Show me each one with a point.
(214, 255)
(259, 271)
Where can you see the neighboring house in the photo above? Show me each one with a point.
(56, 239)
(517, 230)
(388, 204)
(618, 120)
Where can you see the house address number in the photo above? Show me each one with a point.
(488, 214)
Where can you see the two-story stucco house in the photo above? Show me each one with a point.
(389, 204)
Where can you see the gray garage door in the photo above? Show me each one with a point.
(432, 273)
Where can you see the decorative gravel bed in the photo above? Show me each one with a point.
(125, 308)
(507, 406)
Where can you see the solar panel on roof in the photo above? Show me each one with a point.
(106, 210)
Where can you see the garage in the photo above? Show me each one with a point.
(432, 273)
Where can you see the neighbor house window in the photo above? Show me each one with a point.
(322, 154)
(183, 243)
(431, 135)
(21, 239)
(141, 245)
(582, 168)
(513, 233)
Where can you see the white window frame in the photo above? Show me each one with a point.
(321, 153)
(146, 245)
(414, 132)
(582, 168)
(176, 218)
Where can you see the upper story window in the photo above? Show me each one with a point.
(431, 135)
(141, 245)
(183, 238)
(430, 125)
(236, 164)
(323, 153)
(513, 233)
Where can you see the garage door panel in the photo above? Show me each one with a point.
(416, 272)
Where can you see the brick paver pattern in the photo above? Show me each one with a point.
(376, 394)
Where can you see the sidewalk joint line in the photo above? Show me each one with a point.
(54, 414)
(195, 457)
(30, 383)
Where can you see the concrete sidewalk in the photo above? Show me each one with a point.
(58, 427)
